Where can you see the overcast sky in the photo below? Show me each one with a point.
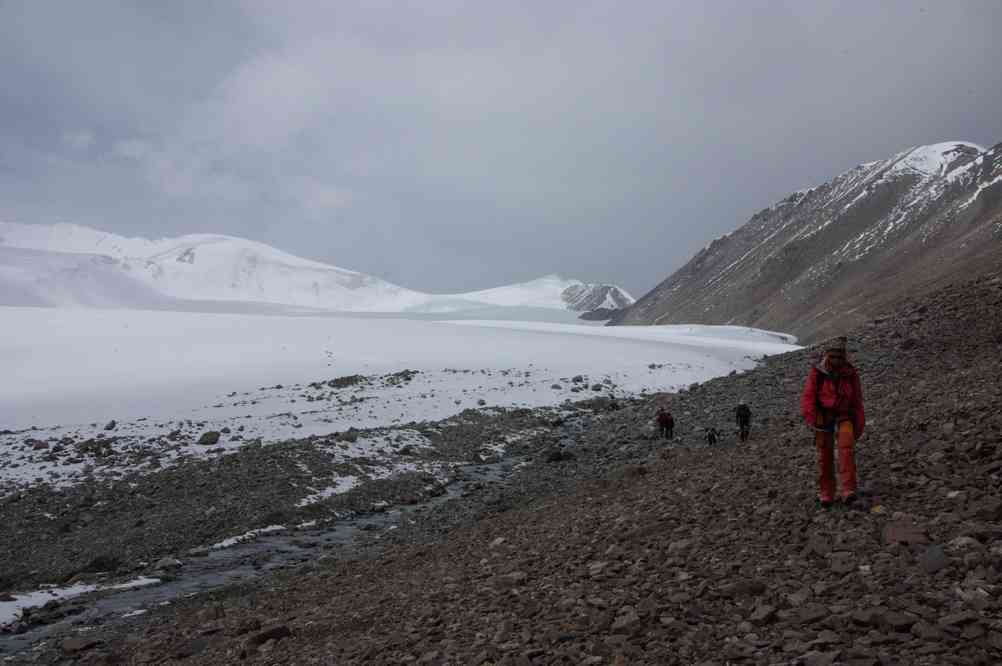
(449, 146)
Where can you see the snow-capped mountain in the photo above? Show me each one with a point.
(66, 264)
(829, 257)
(219, 268)
(591, 297)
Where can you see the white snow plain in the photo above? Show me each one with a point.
(68, 372)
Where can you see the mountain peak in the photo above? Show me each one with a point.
(825, 258)
(936, 159)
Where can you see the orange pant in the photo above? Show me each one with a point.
(825, 442)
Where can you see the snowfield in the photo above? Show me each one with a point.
(69, 372)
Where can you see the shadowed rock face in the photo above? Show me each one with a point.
(829, 257)
(601, 314)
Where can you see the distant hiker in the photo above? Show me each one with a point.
(832, 404)
(711, 436)
(743, 414)
(666, 423)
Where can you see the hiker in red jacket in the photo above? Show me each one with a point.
(832, 404)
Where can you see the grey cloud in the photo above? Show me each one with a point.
(452, 145)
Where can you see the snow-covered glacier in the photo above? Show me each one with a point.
(73, 265)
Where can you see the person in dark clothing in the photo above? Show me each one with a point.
(711, 436)
(666, 423)
(743, 414)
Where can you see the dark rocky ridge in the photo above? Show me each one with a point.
(601, 314)
(707, 556)
(841, 252)
(591, 297)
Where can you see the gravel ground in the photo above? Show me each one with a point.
(613, 547)
(58, 536)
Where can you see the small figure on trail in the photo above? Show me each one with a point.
(666, 423)
(711, 436)
(832, 404)
(743, 414)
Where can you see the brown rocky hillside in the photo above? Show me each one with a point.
(841, 252)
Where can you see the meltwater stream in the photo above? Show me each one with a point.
(244, 561)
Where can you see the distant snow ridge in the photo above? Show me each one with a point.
(198, 267)
(552, 291)
(138, 272)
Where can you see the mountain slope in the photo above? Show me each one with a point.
(47, 279)
(219, 268)
(205, 267)
(826, 258)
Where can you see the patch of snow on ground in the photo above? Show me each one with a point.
(10, 611)
(342, 484)
(142, 581)
(247, 536)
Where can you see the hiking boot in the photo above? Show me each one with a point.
(825, 503)
(850, 499)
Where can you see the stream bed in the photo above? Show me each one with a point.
(267, 551)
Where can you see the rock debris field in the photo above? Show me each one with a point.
(603, 544)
